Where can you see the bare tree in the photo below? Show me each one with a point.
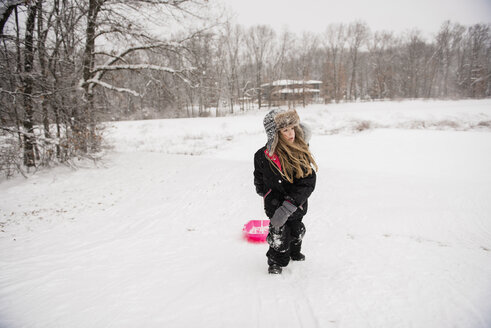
(412, 55)
(139, 40)
(335, 71)
(259, 43)
(444, 56)
(305, 53)
(27, 86)
(479, 63)
(358, 33)
(233, 39)
(382, 51)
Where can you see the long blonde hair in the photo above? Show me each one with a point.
(295, 158)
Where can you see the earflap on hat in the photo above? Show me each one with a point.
(275, 120)
(271, 146)
(306, 131)
(270, 127)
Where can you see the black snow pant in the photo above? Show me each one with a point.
(285, 242)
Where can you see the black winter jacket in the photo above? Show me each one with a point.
(271, 185)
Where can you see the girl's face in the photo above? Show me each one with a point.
(288, 134)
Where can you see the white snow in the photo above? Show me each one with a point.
(398, 229)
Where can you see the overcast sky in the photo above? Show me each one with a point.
(394, 15)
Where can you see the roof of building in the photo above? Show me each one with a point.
(297, 90)
(290, 82)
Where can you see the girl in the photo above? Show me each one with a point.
(284, 177)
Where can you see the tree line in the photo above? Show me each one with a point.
(67, 65)
(231, 63)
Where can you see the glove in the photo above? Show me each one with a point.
(281, 214)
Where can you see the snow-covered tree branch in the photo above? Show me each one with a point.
(141, 67)
(111, 87)
(6, 9)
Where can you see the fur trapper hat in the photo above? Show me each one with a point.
(277, 119)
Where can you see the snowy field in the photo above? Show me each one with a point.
(398, 229)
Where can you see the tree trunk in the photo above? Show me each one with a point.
(352, 90)
(17, 42)
(42, 64)
(28, 81)
(85, 129)
(258, 83)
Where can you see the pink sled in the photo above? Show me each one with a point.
(256, 230)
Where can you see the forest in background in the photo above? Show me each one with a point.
(68, 65)
(230, 63)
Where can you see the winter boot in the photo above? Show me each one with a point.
(274, 269)
(295, 253)
(297, 257)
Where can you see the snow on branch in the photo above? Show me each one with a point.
(110, 65)
(9, 3)
(111, 61)
(52, 140)
(480, 79)
(123, 53)
(139, 67)
(6, 8)
(112, 87)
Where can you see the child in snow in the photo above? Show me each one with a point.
(284, 177)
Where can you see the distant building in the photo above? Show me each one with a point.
(284, 92)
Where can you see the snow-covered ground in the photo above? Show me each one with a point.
(398, 231)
